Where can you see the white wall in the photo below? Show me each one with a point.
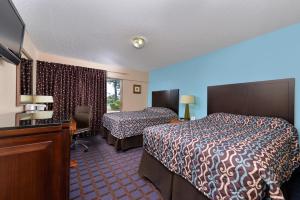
(8, 88)
(131, 101)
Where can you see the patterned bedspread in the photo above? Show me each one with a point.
(127, 124)
(228, 156)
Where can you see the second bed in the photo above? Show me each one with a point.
(124, 130)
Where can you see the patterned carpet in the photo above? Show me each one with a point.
(102, 173)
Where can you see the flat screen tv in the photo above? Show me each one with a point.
(12, 30)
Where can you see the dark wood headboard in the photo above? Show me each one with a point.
(274, 98)
(166, 98)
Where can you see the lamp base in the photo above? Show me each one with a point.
(187, 112)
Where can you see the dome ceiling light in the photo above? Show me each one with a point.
(138, 42)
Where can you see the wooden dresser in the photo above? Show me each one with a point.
(34, 159)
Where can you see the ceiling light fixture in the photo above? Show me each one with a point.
(138, 42)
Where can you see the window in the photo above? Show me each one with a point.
(113, 95)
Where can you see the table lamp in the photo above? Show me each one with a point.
(187, 99)
(36, 103)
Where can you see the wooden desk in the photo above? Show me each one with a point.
(34, 162)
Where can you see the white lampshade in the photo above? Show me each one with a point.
(187, 99)
(43, 99)
(42, 115)
(26, 99)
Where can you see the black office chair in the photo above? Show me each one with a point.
(82, 118)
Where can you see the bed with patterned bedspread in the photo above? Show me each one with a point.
(228, 156)
(127, 124)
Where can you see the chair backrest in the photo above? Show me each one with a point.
(82, 109)
(82, 116)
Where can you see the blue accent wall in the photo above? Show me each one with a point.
(271, 56)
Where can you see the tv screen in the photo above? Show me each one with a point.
(11, 31)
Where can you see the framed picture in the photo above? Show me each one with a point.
(137, 89)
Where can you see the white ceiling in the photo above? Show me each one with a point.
(176, 30)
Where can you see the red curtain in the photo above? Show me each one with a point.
(73, 86)
(26, 77)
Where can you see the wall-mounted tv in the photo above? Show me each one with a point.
(12, 30)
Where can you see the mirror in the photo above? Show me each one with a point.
(24, 77)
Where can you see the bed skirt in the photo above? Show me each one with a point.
(170, 185)
(174, 187)
(122, 144)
